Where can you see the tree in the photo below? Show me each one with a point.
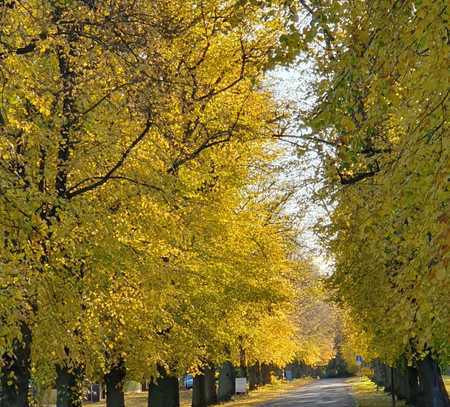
(116, 121)
(380, 116)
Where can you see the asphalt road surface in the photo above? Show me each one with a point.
(322, 393)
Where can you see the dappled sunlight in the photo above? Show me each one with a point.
(254, 398)
(320, 393)
(268, 393)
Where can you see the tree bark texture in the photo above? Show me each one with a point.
(15, 372)
(164, 392)
(210, 385)
(226, 382)
(266, 374)
(199, 391)
(433, 392)
(68, 386)
(253, 377)
(115, 380)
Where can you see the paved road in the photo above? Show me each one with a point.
(322, 393)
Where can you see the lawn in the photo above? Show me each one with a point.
(254, 398)
(447, 382)
(366, 394)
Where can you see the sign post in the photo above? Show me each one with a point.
(359, 361)
(392, 387)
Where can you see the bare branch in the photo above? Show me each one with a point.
(303, 137)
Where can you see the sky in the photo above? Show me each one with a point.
(291, 85)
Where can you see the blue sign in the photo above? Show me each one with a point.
(359, 360)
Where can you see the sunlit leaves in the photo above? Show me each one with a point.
(133, 137)
(382, 105)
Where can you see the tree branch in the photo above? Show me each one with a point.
(178, 163)
(350, 180)
(304, 137)
(329, 38)
(105, 178)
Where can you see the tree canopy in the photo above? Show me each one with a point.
(380, 124)
(146, 222)
(140, 225)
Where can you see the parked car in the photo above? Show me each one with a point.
(188, 381)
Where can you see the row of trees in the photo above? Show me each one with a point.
(402, 381)
(380, 120)
(143, 231)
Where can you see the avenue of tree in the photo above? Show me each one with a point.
(143, 232)
(146, 225)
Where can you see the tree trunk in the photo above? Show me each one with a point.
(266, 374)
(68, 386)
(210, 385)
(164, 392)
(278, 372)
(115, 379)
(295, 367)
(398, 384)
(199, 391)
(434, 393)
(404, 384)
(379, 372)
(413, 385)
(388, 377)
(144, 385)
(16, 372)
(253, 377)
(242, 363)
(258, 373)
(226, 382)
(383, 374)
(393, 386)
(304, 370)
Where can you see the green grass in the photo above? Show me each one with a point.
(447, 382)
(366, 394)
(140, 400)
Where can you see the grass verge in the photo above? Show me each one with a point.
(447, 383)
(366, 394)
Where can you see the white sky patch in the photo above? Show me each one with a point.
(292, 86)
